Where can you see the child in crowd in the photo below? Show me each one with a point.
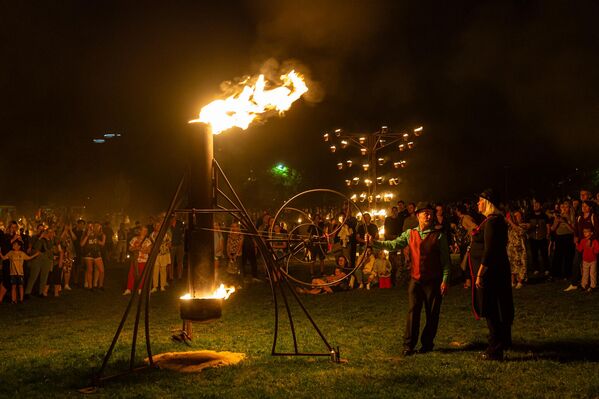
(589, 247)
(382, 270)
(17, 258)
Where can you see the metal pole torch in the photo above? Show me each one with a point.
(201, 196)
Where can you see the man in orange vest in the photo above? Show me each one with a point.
(431, 264)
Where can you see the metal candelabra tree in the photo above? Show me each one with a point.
(379, 159)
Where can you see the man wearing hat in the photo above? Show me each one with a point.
(429, 250)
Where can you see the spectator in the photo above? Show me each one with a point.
(364, 271)
(16, 257)
(121, 244)
(177, 248)
(366, 228)
(6, 245)
(141, 246)
(345, 235)
(440, 222)
(563, 228)
(163, 259)
(381, 270)
(463, 234)
(539, 229)
(336, 282)
(393, 226)
(248, 255)
(78, 264)
(41, 265)
(55, 276)
(402, 213)
(219, 244)
(234, 248)
(410, 221)
(108, 248)
(318, 243)
(586, 219)
(279, 244)
(92, 243)
(516, 248)
(67, 239)
(589, 248)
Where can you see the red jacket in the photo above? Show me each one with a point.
(589, 252)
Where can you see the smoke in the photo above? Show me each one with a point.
(326, 35)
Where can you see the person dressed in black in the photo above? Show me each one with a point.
(429, 281)
(490, 268)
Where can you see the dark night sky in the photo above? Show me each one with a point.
(496, 85)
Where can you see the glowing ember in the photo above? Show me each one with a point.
(240, 109)
(221, 292)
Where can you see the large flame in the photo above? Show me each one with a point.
(240, 109)
(221, 292)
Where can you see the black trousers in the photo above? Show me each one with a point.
(500, 335)
(539, 247)
(563, 256)
(427, 294)
(249, 256)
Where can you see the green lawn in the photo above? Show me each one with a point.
(49, 347)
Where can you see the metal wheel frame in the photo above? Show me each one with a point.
(303, 242)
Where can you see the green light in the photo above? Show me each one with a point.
(280, 169)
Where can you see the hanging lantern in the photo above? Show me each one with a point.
(354, 197)
(337, 132)
(349, 163)
(356, 180)
(333, 148)
(347, 182)
(344, 143)
(362, 140)
(402, 147)
(379, 180)
(418, 131)
(396, 165)
(365, 166)
(405, 136)
(340, 166)
(363, 151)
(368, 182)
(411, 145)
(384, 129)
(381, 161)
(325, 137)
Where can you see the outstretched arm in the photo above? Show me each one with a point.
(393, 245)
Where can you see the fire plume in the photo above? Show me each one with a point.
(251, 101)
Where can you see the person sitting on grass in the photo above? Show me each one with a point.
(17, 258)
(337, 278)
(363, 273)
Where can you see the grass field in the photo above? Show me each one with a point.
(49, 347)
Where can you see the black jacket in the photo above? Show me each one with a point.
(489, 247)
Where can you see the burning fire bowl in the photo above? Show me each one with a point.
(201, 309)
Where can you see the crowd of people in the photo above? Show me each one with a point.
(59, 256)
(546, 241)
